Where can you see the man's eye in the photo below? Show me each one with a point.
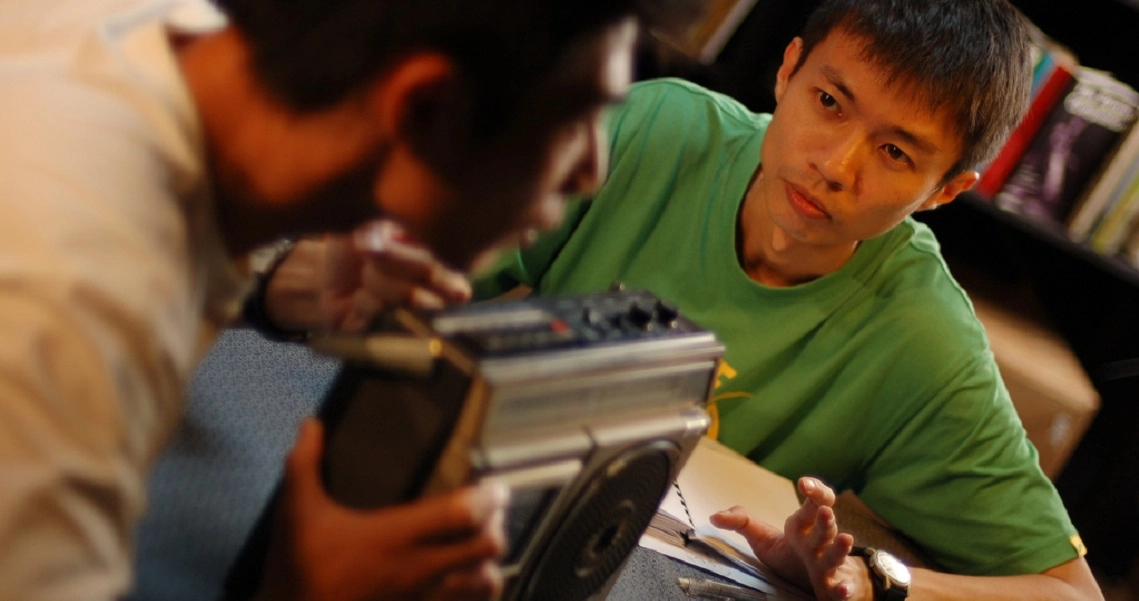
(827, 100)
(896, 153)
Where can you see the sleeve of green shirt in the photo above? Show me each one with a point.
(959, 474)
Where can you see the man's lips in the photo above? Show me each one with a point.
(805, 205)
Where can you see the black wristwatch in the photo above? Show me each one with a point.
(891, 577)
(253, 311)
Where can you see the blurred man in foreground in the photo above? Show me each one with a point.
(148, 146)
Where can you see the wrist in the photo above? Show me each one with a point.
(865, 579)
(256, 311)
(889, 577)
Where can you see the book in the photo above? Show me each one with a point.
(1131, 251)
(1104, 188)
(1056, 83)
(1068, 149)
(1111, 232)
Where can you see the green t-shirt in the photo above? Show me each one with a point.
(876, 378)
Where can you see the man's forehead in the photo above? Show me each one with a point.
(898, 103)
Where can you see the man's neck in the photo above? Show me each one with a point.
(771, 256)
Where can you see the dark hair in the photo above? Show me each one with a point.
(313, 54)
(971, 57)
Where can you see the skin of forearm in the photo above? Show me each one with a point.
(293, 296)
(1071, 581)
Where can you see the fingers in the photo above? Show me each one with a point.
(485, 581)
(836, 575)
(459, 544)
(444, 516)
(437, 560)
(456, 513)
(817, 492)
(401, 270)
(302, 467)
(824, 529)
(760, 536)
(390, 270)
(399, 257)
(834, 555)
(817, 496)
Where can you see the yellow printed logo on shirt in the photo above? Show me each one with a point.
(724, 373)
(1078, 544)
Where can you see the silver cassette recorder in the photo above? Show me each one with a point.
(586, 407)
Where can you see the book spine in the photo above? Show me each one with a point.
(1131, 252)
(1104, 187)
(1111, 234)
(1051, 91)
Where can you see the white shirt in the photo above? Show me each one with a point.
(112, 280)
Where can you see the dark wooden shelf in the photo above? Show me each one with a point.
(1054, 235)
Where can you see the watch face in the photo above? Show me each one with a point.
(893, 569)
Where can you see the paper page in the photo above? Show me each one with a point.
(707, 561)
(713, 562)
(716, 478)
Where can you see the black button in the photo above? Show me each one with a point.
(640, 316)
(667, 312)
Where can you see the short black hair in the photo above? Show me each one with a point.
(972, 57)
(313, 54)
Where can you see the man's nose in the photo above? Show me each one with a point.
(838, 159)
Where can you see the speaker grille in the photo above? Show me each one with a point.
(604, 524)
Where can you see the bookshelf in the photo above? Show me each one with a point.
(1053, 234)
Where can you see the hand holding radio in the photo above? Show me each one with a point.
(340, 282)
(379, 267)
(585, 408)
(441, 547)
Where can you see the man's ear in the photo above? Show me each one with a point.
(791, 56)
(420, 106)
(418, 110)
(946, 193)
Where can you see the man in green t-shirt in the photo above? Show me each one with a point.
(853, 358)
(852, 354)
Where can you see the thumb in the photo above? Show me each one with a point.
(759, 535)
(302, 468)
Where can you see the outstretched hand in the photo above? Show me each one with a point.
(437, 548)
(809, 551)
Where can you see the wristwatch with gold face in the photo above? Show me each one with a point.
(891, 577)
